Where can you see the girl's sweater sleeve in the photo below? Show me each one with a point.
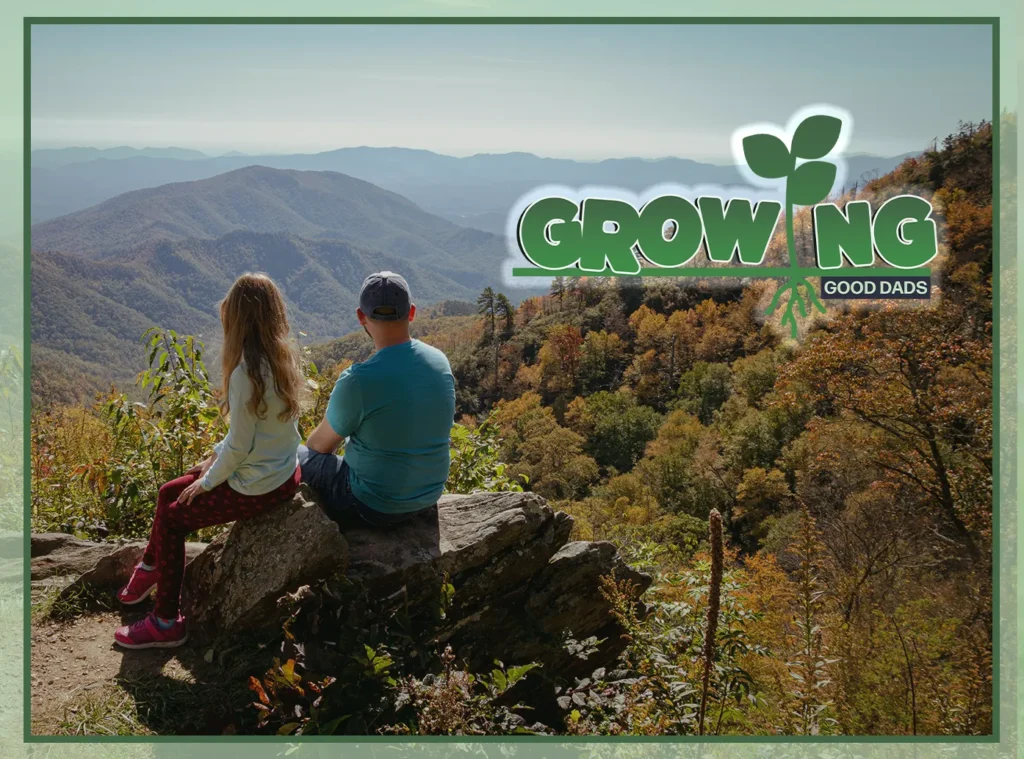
(238, 443)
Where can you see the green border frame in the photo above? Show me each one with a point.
(993, 21)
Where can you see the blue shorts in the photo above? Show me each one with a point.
(327, 475)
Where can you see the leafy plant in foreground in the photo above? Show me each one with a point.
(156, 441)
(475, 463)
(379, 670)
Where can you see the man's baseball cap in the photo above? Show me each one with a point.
(385, 297)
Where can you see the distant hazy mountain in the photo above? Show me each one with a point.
(52, 157)
(166, 256)
(476, 191)
(313, 205)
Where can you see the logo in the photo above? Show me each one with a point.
(698, 232)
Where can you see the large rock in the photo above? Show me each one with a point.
(487, 544)
(233, 586)
(55, 554)
(566, 599)
(520, 587)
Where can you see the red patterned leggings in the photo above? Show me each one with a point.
(174, 521)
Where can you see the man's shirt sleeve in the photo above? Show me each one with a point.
(345, 408)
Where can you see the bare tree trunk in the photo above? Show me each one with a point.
(714, 600)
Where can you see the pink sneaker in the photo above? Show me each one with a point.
(146, 633)
(139, 588)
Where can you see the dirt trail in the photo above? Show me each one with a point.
(75, 662)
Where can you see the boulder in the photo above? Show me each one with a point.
(566, 598)
(45, 543)
(488, 544)
(233, 586)
(562, 596)
(55, 554)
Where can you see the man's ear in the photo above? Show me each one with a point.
(412, 311)
(361, 316)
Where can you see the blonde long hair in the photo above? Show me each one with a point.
(256, 330)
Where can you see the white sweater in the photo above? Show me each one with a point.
(257, 455)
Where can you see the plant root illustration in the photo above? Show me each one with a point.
(795, 302)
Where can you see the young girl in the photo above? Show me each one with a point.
(252, 469)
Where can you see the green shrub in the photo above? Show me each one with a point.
(105, 482)
(475, 464)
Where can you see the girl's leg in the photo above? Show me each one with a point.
(167, 495)
(145, 576)
(176, 520)
(164, 628)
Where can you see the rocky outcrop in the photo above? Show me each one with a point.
(234, 584)
(520, 586)
(55, 554)
(61, 560)
(488, 544)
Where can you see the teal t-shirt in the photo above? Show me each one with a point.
(397, 410)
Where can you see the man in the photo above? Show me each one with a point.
(396, 412)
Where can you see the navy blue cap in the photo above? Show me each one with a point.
(385, 297)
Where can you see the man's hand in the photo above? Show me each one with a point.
(191, 492)
(324, 439)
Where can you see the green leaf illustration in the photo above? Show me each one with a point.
(767, 156)
(816, 136)
(811, 183)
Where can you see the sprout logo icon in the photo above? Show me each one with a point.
(806, 184)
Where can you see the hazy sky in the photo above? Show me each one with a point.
(585, 92)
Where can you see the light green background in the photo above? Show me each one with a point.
(12, 680)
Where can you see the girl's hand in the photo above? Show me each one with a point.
(191, 492)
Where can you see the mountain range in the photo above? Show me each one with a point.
(53, 157)
(166, 256)
(474, 191)
(317, 205)
(156, 240)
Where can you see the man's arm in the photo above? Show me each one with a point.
(344, 413)
(324, 439)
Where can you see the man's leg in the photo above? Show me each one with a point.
(327, 475)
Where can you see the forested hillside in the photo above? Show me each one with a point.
(852, 470)
(316, 205)
(167, 255)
